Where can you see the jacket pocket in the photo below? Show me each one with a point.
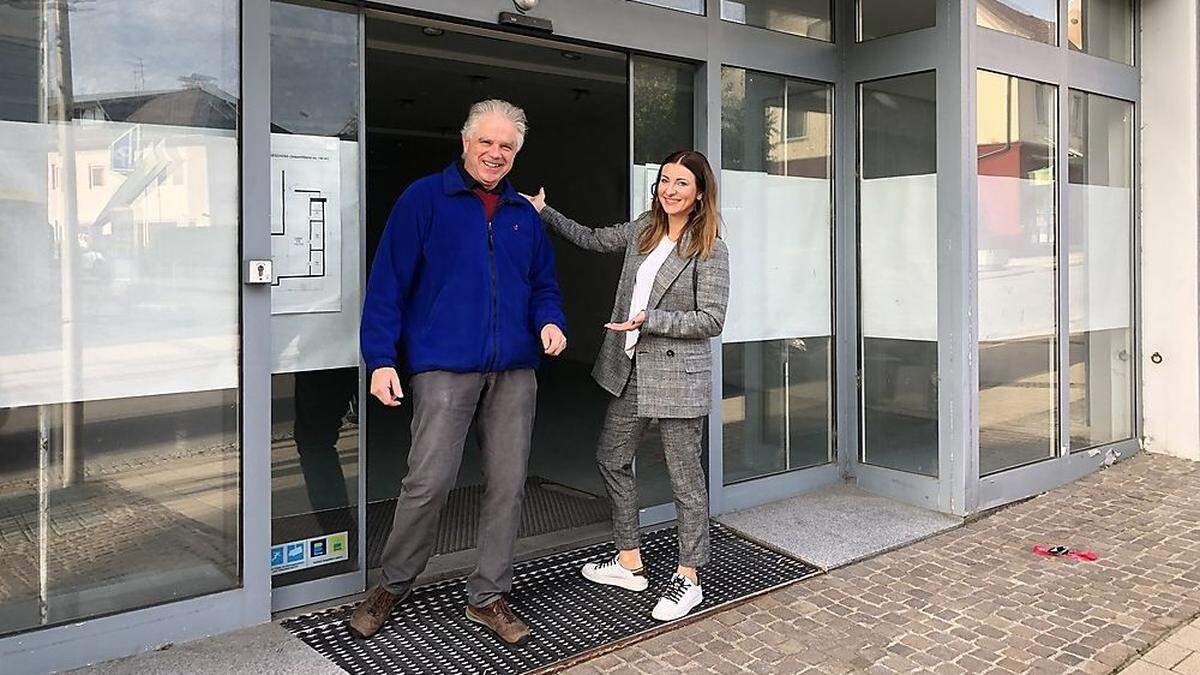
(697, 363)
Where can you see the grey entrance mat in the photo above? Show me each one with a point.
(570, 617)
(548, 507)
(839, 525)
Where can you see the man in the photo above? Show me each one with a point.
(463, 292)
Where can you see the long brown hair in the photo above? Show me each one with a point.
(704, 222)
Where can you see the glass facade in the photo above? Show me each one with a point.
(806, 18)
(119, 217)
(1032, 19)
(880, 18)
(1100, 232)
(776, 199)
(1101, 28)
(1018, 288)
(897, 235)
(664, 94)
(315, 239)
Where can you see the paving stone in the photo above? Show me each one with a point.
(1189, 666)
(975, 599)
(1167, 655)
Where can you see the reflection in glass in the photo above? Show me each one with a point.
(689, 6)
(1017, 272)
(1100, 195)
(878, 18)
(775, 199)
(1101, 28)
(663, 122)
(119, 456)
(806, 18)
(1033, 19)
(315, 305)
(898, 272)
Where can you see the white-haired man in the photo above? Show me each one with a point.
(463, 298)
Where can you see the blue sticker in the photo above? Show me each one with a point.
(295, 552)
(318, 548)
(276, 556)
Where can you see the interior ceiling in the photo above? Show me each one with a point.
(408, 71)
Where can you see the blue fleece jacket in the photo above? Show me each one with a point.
(450, 291)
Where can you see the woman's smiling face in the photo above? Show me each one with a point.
(677, 189)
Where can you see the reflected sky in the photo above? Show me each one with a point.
(119, 46)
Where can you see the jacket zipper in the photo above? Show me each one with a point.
(495, 298)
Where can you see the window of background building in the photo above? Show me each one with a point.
(897, 221)
(1101, 28)
(119, 455)
(1033, 19)
(776, 202)
(95, 176)
(878, 18)
(689, 6)
(806, 18)
(1018, 243)
(1100, 196)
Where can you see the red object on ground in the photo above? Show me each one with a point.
(1063, 551)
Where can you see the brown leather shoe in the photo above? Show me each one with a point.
(374, 611)
(500, 619)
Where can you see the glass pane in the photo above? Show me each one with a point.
(663, 122)
(775, 198)
(1101, 283)
(897, 222)
(315, 303)
(806, 18)
(877, 18)
(119, 171)
(690, 6)
(1101, 28)
(1033, 19)
(1018, 355)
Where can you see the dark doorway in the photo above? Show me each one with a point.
(421, 79)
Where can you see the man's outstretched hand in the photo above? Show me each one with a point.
(553, 340)
(385, 386)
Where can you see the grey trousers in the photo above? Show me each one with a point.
(445, 404)
(619, 440)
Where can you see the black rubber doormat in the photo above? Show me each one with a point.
(547, 507)
(569, 616)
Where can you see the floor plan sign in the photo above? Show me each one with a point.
(306, 226)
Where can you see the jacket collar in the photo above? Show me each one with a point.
(452, 184)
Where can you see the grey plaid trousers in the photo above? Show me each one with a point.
(619, 440)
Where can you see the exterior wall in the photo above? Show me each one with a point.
(1171, 388)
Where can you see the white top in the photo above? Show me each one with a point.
(643, 284)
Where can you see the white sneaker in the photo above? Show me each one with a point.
(679, 597)
(613, 573)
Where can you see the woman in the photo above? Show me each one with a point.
(656, 363)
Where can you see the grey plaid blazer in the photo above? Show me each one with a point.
(686, 309)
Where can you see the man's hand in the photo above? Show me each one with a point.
(626, 326)
(553, 340)
(538, 200)
(385, 386)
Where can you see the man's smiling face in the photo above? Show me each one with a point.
(489, 152)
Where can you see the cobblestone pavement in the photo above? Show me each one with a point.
(976, 599)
